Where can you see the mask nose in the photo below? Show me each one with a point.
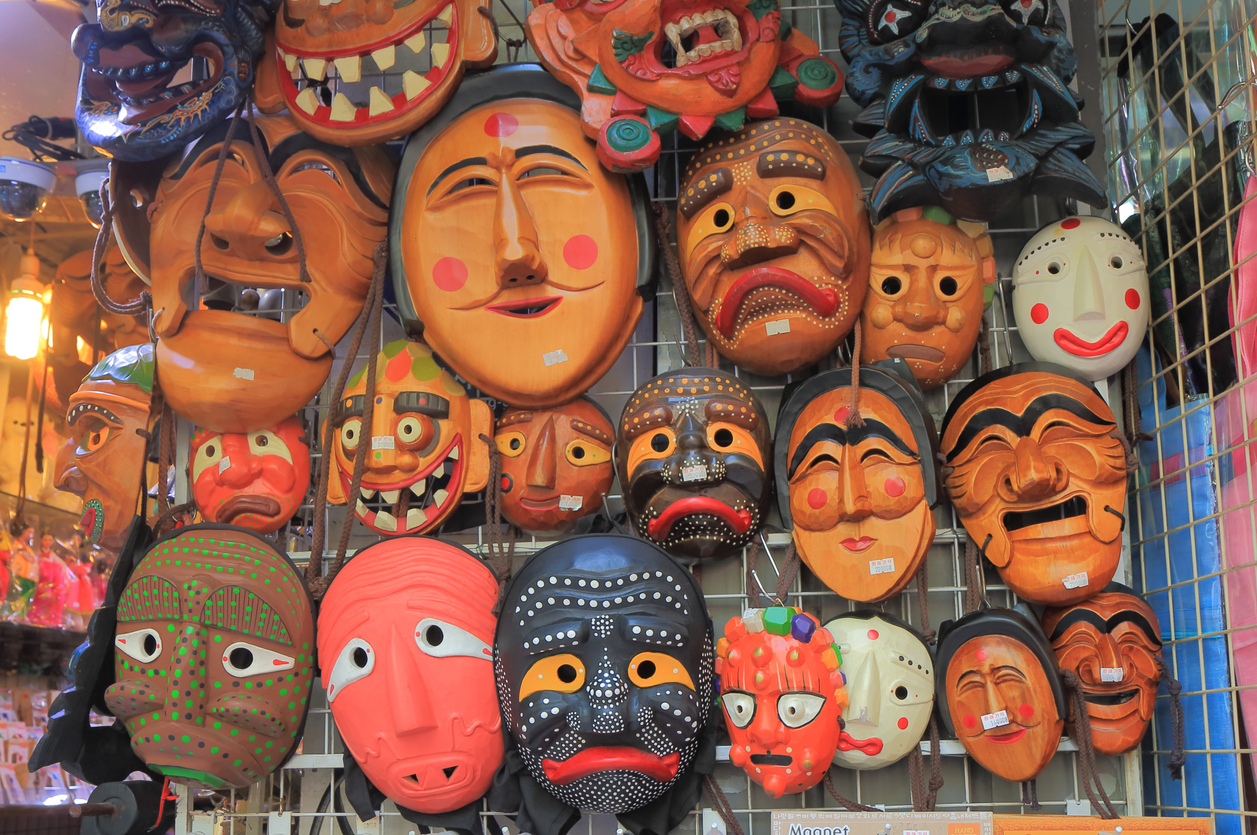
(1032, 475)
(407, 693)
(692, 451)
(249, 225)
(757, 241)
(608, 693)
(517, 252)
(766, 728)
(855, 503)
(541, 464)
(864, 690)
(243, 469)
(1088, 292)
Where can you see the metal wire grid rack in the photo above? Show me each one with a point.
(307, 787)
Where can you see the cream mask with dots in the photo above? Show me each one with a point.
(1080, 296)
(604, 671)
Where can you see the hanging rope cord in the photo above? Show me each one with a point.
(925, 795)
(501, 553)
(1177, 757)
(664, 230)
(1086, 749)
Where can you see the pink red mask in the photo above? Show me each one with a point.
(783, 697)
(405, 635)
(255, 480)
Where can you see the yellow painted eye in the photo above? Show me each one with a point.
(729, 437)
(208, 455)
(351, 433)
(714, 220)
(267, 442)
(95, 438)
(652, 445)
(788, 198)
(582, 453)
(511, 444)
(556, 673)
(648, 669)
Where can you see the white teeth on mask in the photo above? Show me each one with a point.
(366, 494)
(385, 521)
(439, 471)
(419, 487)
(415, 518)
(360, 508)
(380, 103)
(290, 62)
(453, 456)
(390, 496)
(447, 15)
(440, 496)
(385, 57)
(440, 54)
(413, 84)
(349, 69)
(308, 101)
(316, 68)
(722, 23)
(343, 109)
(416, 42)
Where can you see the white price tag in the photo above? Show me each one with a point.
(885, 566)
(994, 175)
(916, 832)
(553, 357)
(243, 374)
(1076, 581)
(779, 326)
(381, 442)
(694, 472)
(567, 502)
(995, 720)
(1112, 674)
(224, 464)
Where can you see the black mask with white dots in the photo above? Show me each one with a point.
(604, 669)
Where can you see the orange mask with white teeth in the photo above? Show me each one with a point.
(357, 72)
(425, 450)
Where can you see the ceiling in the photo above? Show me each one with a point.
(38, 72)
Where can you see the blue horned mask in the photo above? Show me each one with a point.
(966, 104)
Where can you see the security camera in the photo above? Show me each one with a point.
(87, 186)
(24, 187)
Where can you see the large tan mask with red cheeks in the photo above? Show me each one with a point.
(859, 498)
(356, 72)
(1112, 642)
(222, 366)
(783, 697)
(254, 479)
(774, 244)
(926, 293)
(424, 448)
(556, 464)
(1038, 480)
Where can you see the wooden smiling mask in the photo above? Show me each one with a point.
(425, 442)
(695, 462)
(859, 498)
(647, 67)
(773, 241)
(1038, 479)
(221, 365)
(507, 231)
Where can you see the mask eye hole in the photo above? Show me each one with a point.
(143, 644)
(649, 669)
(901, 692)
(1054, 268)
(563, 673)
(511, 444)
(947, 286)
(798, 709)
(660, 442)
(444, 640)
(243, 659)
(892, 285)
(739, 707)
(784, 200)
(351, 433)
(209, 455)
(721, 219)
(581, 453)
(1116, 262)
(356, 661)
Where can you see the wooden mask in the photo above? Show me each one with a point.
(859, 499)
(1038, 479)
(256, 480)
(129, 106)
(214, 656)
(224, 366)
(695, 462)
(105, 418)
(1080, 296)
(556, 464)
(774, 244)
(405, 636)
(607, 689)
(926, 293)
(782, 692)
(644, 68)
(425, 448)
(890, 682)
(1001, 692)
(967, 104)
(508, 232)
(1112, 642)
(356, 72)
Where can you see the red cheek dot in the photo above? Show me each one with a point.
(816, 498)
(506, 484)
(903, 723)
(981, 655)
(1039, 313)
(501, 124)
(398, 368)
(894, 486)
(1070, 223)
(840, 416)
(969, 721)
(449, 274)
(580, 252)
(1132, 299)
(1026, 711)
(873, 635)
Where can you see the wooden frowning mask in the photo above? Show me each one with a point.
(506, 232)
(425, 448)
(695, 462)
(859, 498)
(556, 464)
(1038, 479)
(227, 365)
(105, 418)
(355, 72)
(1112, 642)
(783, 697)
(648, 67)
(1000, 691)
(773, 240)
(256, 480)
(926, 293)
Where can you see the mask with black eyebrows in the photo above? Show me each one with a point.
(694, 457)
(1038, 479)
(859, 499)
(604, 670)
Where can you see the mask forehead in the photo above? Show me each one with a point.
(834, 407)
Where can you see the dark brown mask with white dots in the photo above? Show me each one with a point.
(213, 657)
(604, 669)
(694, 456)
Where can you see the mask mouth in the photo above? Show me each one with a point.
(1007, 738)
(737, 520)
(768, 291)
(550, 503)
(869, 747)
(1119, 698)
(1072, 343)
(409, 506)
(526, 308)
(771, 759)
(138, 78)
(700, 39)
(1015, 520)
(92, 522)
(611, 758)
(925, 353)
(248, 503)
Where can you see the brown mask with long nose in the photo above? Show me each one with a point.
(1038, 479)
(225, 364)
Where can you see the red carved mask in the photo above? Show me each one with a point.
(255, 480)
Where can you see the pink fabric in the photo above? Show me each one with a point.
(48, 607)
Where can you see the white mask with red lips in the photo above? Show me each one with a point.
(1080, 296)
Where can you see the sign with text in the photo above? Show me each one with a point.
(1063, 825)
(836, 822)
